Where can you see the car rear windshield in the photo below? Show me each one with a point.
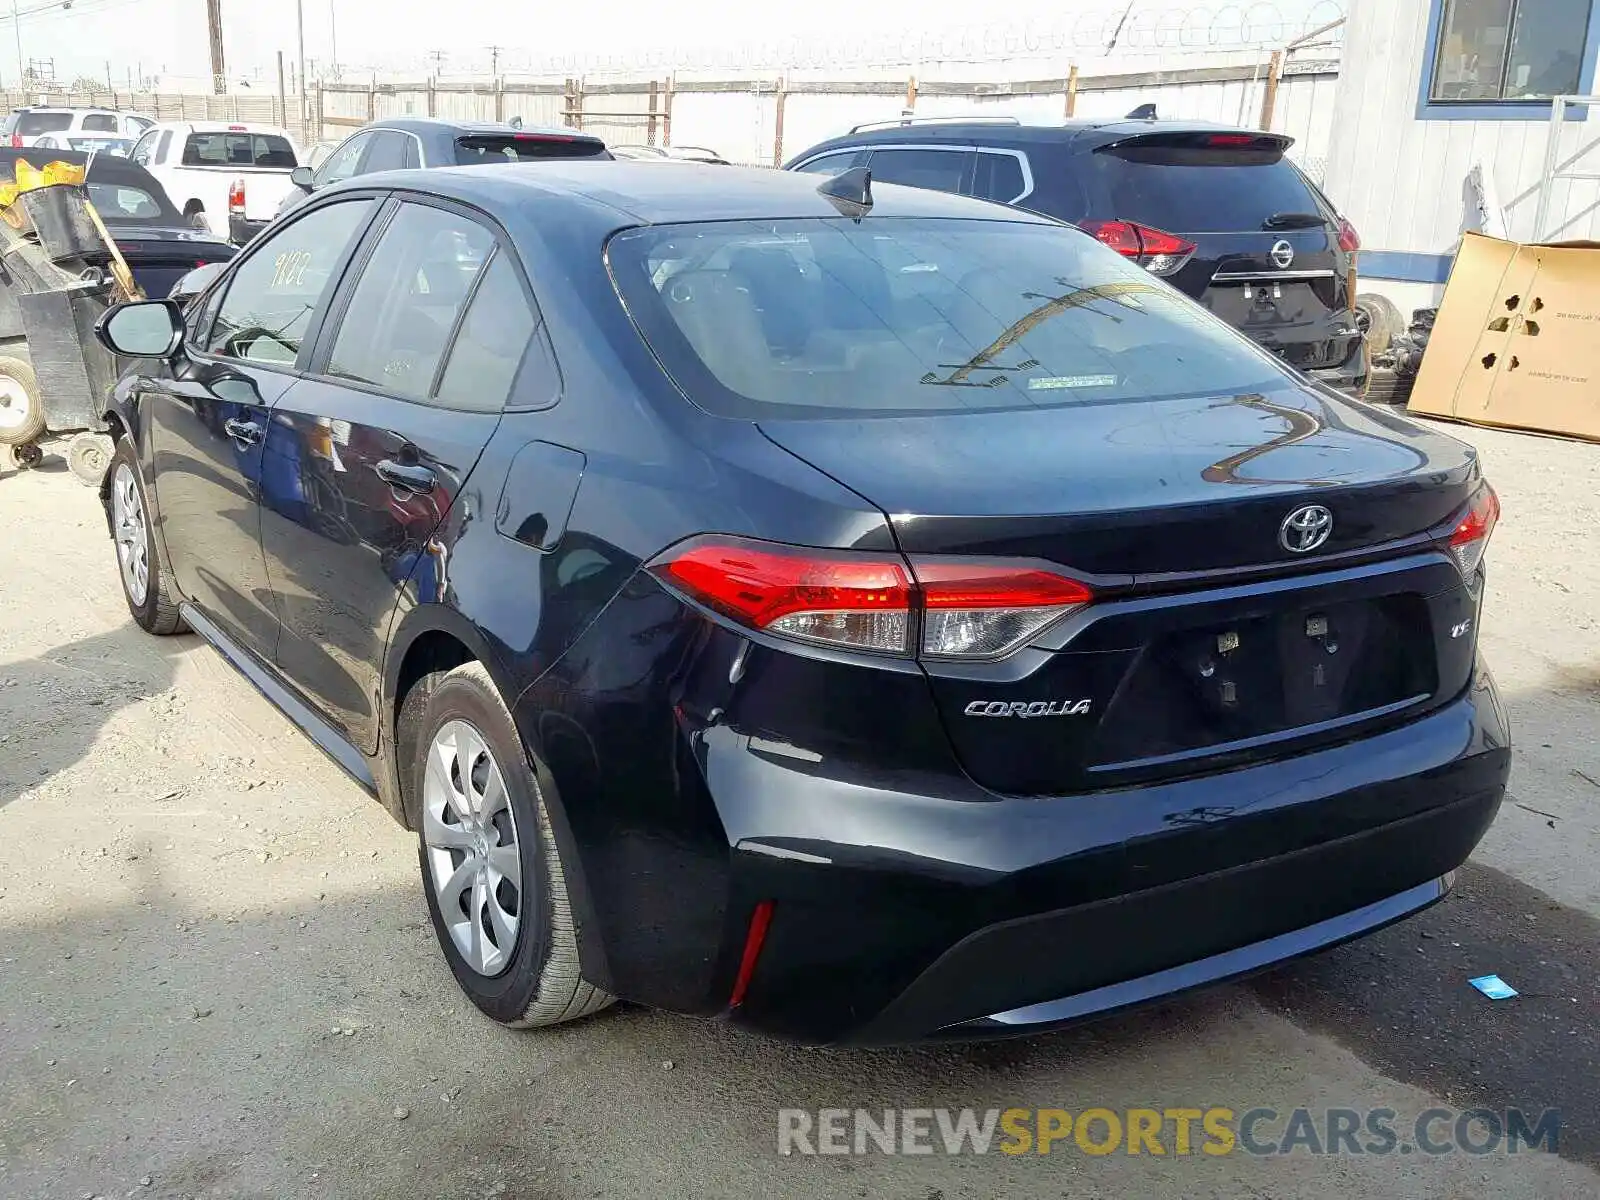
(833, 317)
(1214, 192)
(235, 149)
(32, 124)
(524, 147)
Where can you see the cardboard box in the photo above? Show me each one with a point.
(1517, 339)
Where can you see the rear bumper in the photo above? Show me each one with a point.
(900, 915)
(1350, 375)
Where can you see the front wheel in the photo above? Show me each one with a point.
(492, 874)
(145, 578)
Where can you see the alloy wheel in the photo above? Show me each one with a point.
(471, 838)
(132, 535)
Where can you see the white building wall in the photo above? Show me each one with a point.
(1401, 181)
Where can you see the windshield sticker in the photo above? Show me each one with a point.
(1051, 382)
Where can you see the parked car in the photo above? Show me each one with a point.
(23, 125)
(852, 610)
(1219, 213)
(406, 142)
(225, 177)
(94, 144)
(669, 154)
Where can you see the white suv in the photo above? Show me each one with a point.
(23, 125)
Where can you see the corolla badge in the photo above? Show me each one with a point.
(1022, 708)
(1306, 528)
(1281, 254)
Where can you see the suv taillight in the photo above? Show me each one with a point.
(1470, 538)
(918, 607)
(1156, 251)
(16, 140)
(1349, 240)
(236, 196)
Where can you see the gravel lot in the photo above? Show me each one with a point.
(217, 977)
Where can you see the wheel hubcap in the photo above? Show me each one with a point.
(472, 852)
(14, 404)
(133, 540)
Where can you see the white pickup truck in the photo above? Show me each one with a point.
(230, 176)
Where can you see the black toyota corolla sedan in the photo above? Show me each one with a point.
(860, 613)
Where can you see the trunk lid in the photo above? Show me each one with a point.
(1209, 643)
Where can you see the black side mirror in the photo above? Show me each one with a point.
(302, 178)
(141, 329)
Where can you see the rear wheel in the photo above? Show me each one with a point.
(21, 414)
(492, 874)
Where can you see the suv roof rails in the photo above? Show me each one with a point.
(984, 119)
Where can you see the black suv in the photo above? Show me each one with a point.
(1218, 212)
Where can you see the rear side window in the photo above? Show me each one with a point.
(388, 152)
(233, 149)
(1184, 191)
(937, 170)
(32, 124)
(524, 147)
(100, 122)
(998, 177)
(831, 317)
(399, 320)
(831, 164)
(489, 348)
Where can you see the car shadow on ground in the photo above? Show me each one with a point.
(53, 706)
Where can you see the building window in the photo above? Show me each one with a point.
(1497, 50)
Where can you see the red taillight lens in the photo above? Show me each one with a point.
(1231, 139)
(236, 194)
(1470, 537)
(871, 601)
(1155, 250)
(1349, 240)
(16, 140)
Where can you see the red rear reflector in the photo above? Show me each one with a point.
(1349, 240)
(1470, 537)
(16, 139)
(760, 921)
(1231, 139)
(1157, 251)
(871, 601)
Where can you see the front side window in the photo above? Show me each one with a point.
(342, 163)
(269, 302)
(938, 170)
(834, 318)
(405, 306)
(1509, 49)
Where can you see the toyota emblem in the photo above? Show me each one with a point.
(1305, 529)
(1281, 254)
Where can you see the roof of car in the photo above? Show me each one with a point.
(652, 193)
(981, 131)
(468, 128)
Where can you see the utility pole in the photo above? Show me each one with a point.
(494, 61)
(333, 41)
(16, 27)
(219, 71)
(438, 61)
(300, 32)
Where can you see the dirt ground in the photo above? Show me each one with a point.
(217, 978)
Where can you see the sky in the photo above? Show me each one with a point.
(168, 37)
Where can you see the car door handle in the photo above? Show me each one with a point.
(410, 476)
(246, 432)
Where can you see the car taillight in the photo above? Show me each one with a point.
(1470, 537)
(1156, 251)
(16, 140)
(1349, 240)
(236, 196)
(938, 608)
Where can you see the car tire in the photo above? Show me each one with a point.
(21, 413)
(1379, 319)
(491, 871)
(145, 575)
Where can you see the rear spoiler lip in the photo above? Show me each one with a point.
(1178, 137)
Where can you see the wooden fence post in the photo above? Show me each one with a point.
(499, 97)
(1072, 89)
(1269, 98)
